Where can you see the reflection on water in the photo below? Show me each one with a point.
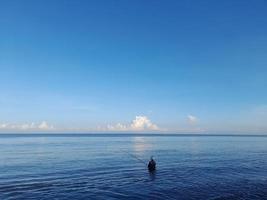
(152, 175)
(140, 145)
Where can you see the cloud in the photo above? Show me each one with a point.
(143, 123)
(140, 123)
(44, 126)
(192, 119)
(3, 126)
(117, 127)
(26, 126)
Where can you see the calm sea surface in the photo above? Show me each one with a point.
(111, 167)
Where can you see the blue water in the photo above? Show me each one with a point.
(111, 167)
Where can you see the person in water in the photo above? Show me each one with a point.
(151, 165)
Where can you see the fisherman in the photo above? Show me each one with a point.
(151, 165)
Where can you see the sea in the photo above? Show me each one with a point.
(114, 166)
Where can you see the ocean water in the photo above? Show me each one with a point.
(114, 167)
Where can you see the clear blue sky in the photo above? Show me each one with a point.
(183, 65)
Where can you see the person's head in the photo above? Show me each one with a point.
(151, 158)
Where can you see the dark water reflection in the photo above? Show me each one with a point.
(152, 175)
(188, 167)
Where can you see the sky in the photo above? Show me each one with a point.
(133, 66)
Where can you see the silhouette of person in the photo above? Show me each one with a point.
(151, 165)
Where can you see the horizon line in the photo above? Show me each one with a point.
(132, 134)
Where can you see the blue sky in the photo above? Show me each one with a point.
(178, 66)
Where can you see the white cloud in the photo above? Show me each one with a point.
(3, 126)
(140, 123)
(44, 126)
(117, 127)
(26, 126)
(192, 119)
(143, 123)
